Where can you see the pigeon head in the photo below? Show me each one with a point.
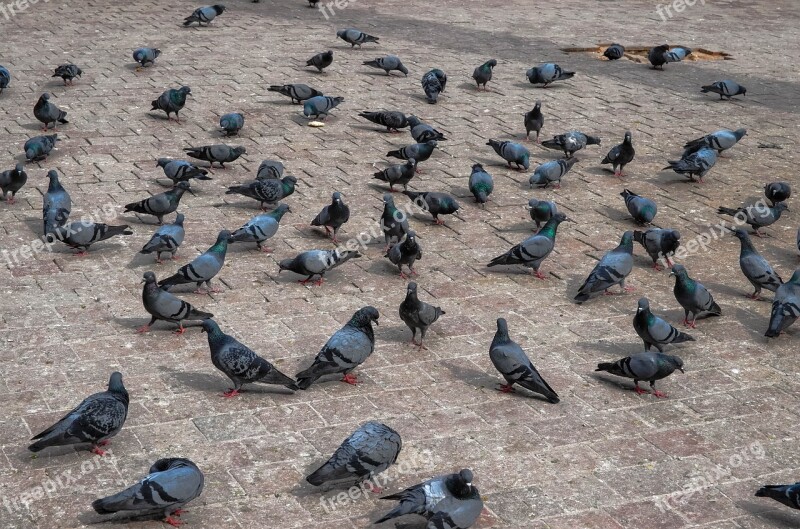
(52, 174)
(19, 168)
(679, 271)
(182, 185)
(628, 136)
(740, 133)
(364, 317)
(328, 54)
(336, 197)
(627, 240)
(115, 384)
(491, 63)
(432, 143)
(740, 234)
(161, 162)
(477, 167)
(502, 329)
(795, 279)
(156, 52)
(675, 361)
(210, 326)
(413, 121)
(644, 304)
(280, 210)
(461, 484)
(149, 278)
(561, 217)
(411, 237)
(185, 90)
(223, 236)
(412, 287)
(45, 96)
(179, 219)
(219, 8)
(341, 33)
(537, 106)
(388, 199)
(402, 68)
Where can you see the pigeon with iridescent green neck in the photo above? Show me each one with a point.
(483, 73)
(612, 270)
(172, 101)
(533, 250)
(261, 228)
(268, 191)
(481, 184)
(642, 209)
(160, 204)
(203, 268)
(693, 297)
(786, 307)
(654, 331)
(541, 211)
(754, 267)
(164, 306)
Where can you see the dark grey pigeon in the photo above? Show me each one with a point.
(611, 270)
(67, 72)
(231, 123)
(56, 204)
(434, 203)
(786, 307)
(5, 78)
(754, 267)
(316, 262)
(433, 83)
(697, 163)
(512, 153)
(533, 250)
(418, 315)
(571, 142)
(400, 174)
(419, 151)
(240, 363)
(203, 268)
(547, 73)
(181, 170)
(483, 73)
(145, 56)
(320, 106)
(172, 101)
(369, 450)
(347, 349)
(393, 223)
(95, 420)
(162, 305)
(204, 15)
(725, 89)
(406, 252)
(320, 61)
(720, 141)
(550, 172)
(297, 92)
(170, 484)
(647, 366)
(388, 64)
(541, 211)
(392, 120)
(654, 331)
(268, 191)
(81, 234)
(614, 52)
(355, 37)
(12, 181)
(422, 132)
(788, 495)
(47, 112)
(333, 216)
(166, 239)
(642, 209)
(777, 192)
(661, 55)
(261, 228)
(38, 147)
(659, 244)
(515, 366)
(693, 297)
(534, 121)
(757, 216)
(219, 153)
(481, 184)
(620, 155)
(270, 169)
(160, 204)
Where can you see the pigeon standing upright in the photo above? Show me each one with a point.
(333, 216)
(571, 142)
(316, 262)
(400, 174)
(218, 153)
(534, 121)
(620, 155)
(268, 191)
(533, 250)
(57, 204)
(320, 61)
(298, 92)
(512, 153)
(388, 64)
(786, 307)
(754, 267)
(611, 270)
(145, 56)
(393, 223)
(515, 366)
(161, 305)
(204, 15)
(614, 52)
(261, 227)
(547, 73)
(172, 100)
(67, 72)
(47, 112)
(777, 192)
(5, 78)
(355, 37)
(659, 244)
(552, 171)
(788, 495)
(481, 184)
(725, 89)
(418, 315)
(160, 204)
(434, 203)
(654, 331)
(181, 170)
(541, 211)
(203, 268)
(483, 73)
(642, 209)
(422, 132)
(433, 83)
(693, 297)
(166, 239)
(648, 366)
(406, 252)
(231, 123)
(81, 234)
(757, 216)
(38, 147)
(11, 181)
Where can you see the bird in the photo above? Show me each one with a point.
(433, 84)
(481, 184)
(642, 209)
(204, 15)
(181, 170)
(697, 163)
(95, 420)
(785, 307)
(369, 450)
(164, 306)
(320, 61)
(419, 151)
(720, 141)
(483, 73)
(56, 204)
(434, 203)
(649, 366)
(146, 56)
(661, 55)
(533, 250)
(611, 270)
(777, 192)
(83, 233)
(659, 244)
(512, 153)
(316, 262)
(754, 267)
(515, 366)
(571, 142)
(620, 155)
(757, 216)
(333, 216)
(551, 171)
(406, 252)
(614, 52)
(67, 72)
(47, 112)
(547, 73)
(422, 132)
(534, 121)
(725, 89)
(160, 204)
(388, 64)
(261, 228)
(240, 363)
(654, 331)
(347, 349)
(231, 123)
(266, 191)
(39, 147)
(677, 54)
(166, 239)
(693, 297)
(541, 211)
(5, 78)
(788, 495)
(268, 169)
(399, 174)
(393, 223)
(393, 120)
(203, 268)
(355, 37)
(297, 92)
(418, 315)
(11, 181)
(320, 106)
(217, 153)
(172, 101)
(170, 484)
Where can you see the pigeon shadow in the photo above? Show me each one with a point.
(613, 383)
(88, 518)
(778, 518)
(380, 73)
(38, 127)
(207, 382)
(611, 349)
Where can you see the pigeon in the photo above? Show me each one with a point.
(95, 420)
(648, 366)
(393, 121)
(661, 55)
(203, 15)
(296, 92)
(166, 239)
(788, 495)
(754, 267)
(231, 123)
(316, 262)
(515, 366)
(433, 83)
(160, 204)
(400, 174)
(269, 169)
(547, 73)
(677, 54)
(388, 64)
(47, 112)
(693, 297)
(393, 223)
(659, 244)
(312, 3)
(418, 315)
(483, 73)
(56, 206)
(67, 72)
(172, 100)
(725, 89)
(181, 170)
(419, 151)
(368, 451)
(203, 268)
(447, 502)
(757, 216)
(777, 192)
(611, 270)
(697, 163)
(38, 147)
(5, 78)
(620, 155)
(355, 37)
(170, 484)
(642, 209)
(406, 252)
(434, 203)
(84, 233)
(320, 106)
(268, 191)
(614, 52)
(720, 141)
(320, 61)
(146, 56)
(512, 153)
(541, 211)
(786, 307)
(654, 331)
(533, 250)
(239, 363)
(12, 181)
(162, 305)
(260, 228)
(422, 132)
(551, 171)
(534, 121)
(571, 142)
(333, 216)
(481, 184)
(218, 153)
(347, 349)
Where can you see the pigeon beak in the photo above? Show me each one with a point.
(671, 274)
(681, 370)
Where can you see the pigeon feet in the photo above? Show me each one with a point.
(201, 291)
(659, 395)
(11, 201)
(438, 222)
(266, 249)
(230, 393)
(753, 296)
(628, 289)
(656, 267)
(540, 275)
(96, 450)
(640, 391)
(350, 379)
(506, 388)
(173, 522)
(144, 328)
(180, 330)
(81, 253)
(690, 324)
(216, 290)
(179, 512)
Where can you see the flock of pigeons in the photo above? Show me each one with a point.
(448, 501)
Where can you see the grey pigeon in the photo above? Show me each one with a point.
(347, 349)
(481, 184)
(38, 147)
(697, 163)
(388, 64)
(433, 83)
(661, 55)
(515, 366)
(355, 37)
(422, 132)
(239, 363)
(642, 209)
(170, 484)
(647, 366)
(368, 451)
(512, 153)
(552, 171)
(146, 56)
(333, 216)
(620, 155)
(203, 268)
(320, 61)
(419, 151)
(547, 73)
(541, 211)
(693, 297)
(725, 89)
(95, 420)
(418, 315)
(181, 170)
(757, 216)
(231, 123)
(320, 106)
(677, 54)
(67, 72)
(261, 228)
(786, 307)
(533, 250)
(571, 142)
(654, 331)
(11, 181)
(611, 270)
(268, 169)
(204, 15)
(777, 192)
(659, 244)
(534, 121)
(400, 174)
(392, 120)
(160, 204)
(56, 205)
(162, 305)
(720, 141)
(172, 101)
(47, 112)
(166, 239)
(316, 262)
(788, 495)
(218, 153)
(5, 78)
(84, 233)
(406, 252)
(268, 191)
(754, 267)
(614, 52)
(483, 73)
(393, 223)
(434, 203)
(297, 92)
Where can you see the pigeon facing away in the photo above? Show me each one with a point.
(84, 233)
(611, 270)
(419, 151)
(571, 142)
(654, 331)
(67, 72)
(422, 132)
(433, 83)
(269, 169)
(659, 244)
(648, 366)
(512, 153)
(268, 191)
(547, 73)
(777, 192)
(620, 155)
(162, 305)
(533, 250)
(786, 307)
(355, 37)
(203, 268)
(693, 297)
(720, 141)
(393, 223)
(5, 78)
(642, 209)
(218, 153)
(261, 228)
(534, 121)
(11, 181)
(388, 64)
(481, 184)
(181, 170)
(172, 101)
(788, 495)
(754, 267)
(483, 73)
(757, 216)
(316, 262)
(614, 52)
(551, 171)
(239, 362)
(320, 61)
(393, 121)
(369, 450)
(347, 349)
(697, 163)
(515, 366)
(333, 216)
(434, 203)
(146, 56)
(400, 174)
(47, 112)
(296, 92)
(725, 89)
(320, 106)
(231, 123)
(170, 484)
(166, 239)
(38, 147)
(160, 204)
(406, 252)
(541, 211)
(418, 315)
(204, 15)
(56, 204)
(95, 420)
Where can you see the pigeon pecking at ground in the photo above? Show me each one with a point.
(420, 152)
(754, 267)
(481, 184)
(181, 170)
(166, 239)
(161, 305)
(541, 211)
(649, 366)
(266, 191)
(399, 174)
(614, 52)
(67, 72)
(422, 132)
(552, 171)
(659, 244)
(219, 153)
(231, 123)
(642, 209)
(204, 15)
(146, 57)
(571, 142)
(355, 37)
(392, 120)
(39, 147)
(389, 63)
(203, 268)
(696, 163)
(547, 73)
(726, 89)
(320, 106)
(297, 92)
(316, 262)
(434, 203)
(80, 235)
(611, 270)
(270, 169)
(320, 61)
(433, 83)
(512, 153)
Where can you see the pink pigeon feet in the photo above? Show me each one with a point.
(81, 253)
(506, 388)
(628, 289)
(180, 330)
(265, 249)
(659, 395)
(438, 222)
(96, 448)
(690, 324)
(230, 393)
(173, 522)
(216, 290)
(640, 391)
(753, 296)
(350, 379)
(144, 328)
(540, 275)
(656, 267)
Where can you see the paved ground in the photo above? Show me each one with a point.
(602, 458)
